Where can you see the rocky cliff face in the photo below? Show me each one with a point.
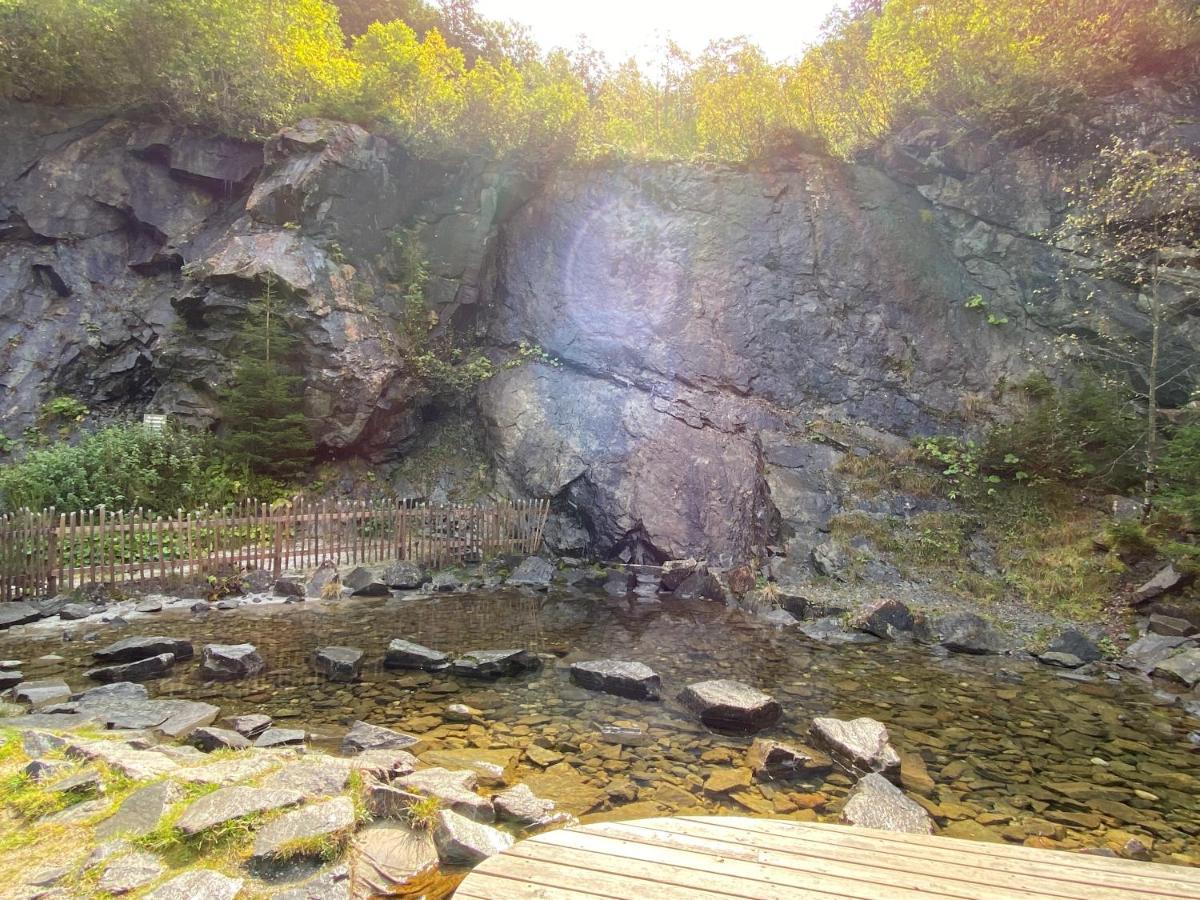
(722, 337)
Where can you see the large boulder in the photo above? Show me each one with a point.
(1182, 667)
(626, 679)
(533, 572)
(731, 706)
(364, 582)
(886, 619)
(339, 663)
(230, 662)
(874, 802)
(404, 576)
(18, 612)
(861, 745)
(324, 580)
(1166, 580)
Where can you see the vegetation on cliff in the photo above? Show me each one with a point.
(445, 78)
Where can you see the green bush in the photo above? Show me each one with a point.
(1179, 475)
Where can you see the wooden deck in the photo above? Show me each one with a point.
(688, 857)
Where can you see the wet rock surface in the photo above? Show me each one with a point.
(402, 654)
(365, 736)
(969, 633)
(226, 662)
(726, 705)
(626, 679)
(135, 648)
(339, 663)
(461, 841)
(875, 802)
(492, 664)
(860, 744)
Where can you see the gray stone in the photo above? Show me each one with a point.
(445, 582)
(886, 619)
(39, 693)
(328, 819)
(700, 585)
(627, 737)
(1183, 667)
(319, 584)
(198, 884)
(129, 761)
(779, 618)
(1171, 626)
(209, 739)
(1062, 660)
(18, 612)
(316, 776)
(149, 606)
(141, 811)
(365, 736)
(250, 725)
(402, 654)
(1074, 642)
(42, 769)
(533, 572)
(135, 648)
(464, 842)
(71, 612)
(280, 737)
(968, 633)
(83, 783)
(124, 690)
(187, 715)
(829, 630)
(519, 804)
(130, 872)
(229, 803)
(288, 587)
(10, 678)
(731, 706)
(455, 789)
(392, 859)
(625, 679)
(229, 662)
(330, 884)
(1149, 650)
(362, 582)
(1168, 579)
(768, 759)
(342, 664)
(860, 744)
(874, 802)
(142, 669)
(675, 572)
(403, 576)
(492, 664)
(829, 558)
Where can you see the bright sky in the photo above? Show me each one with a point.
(624, 28)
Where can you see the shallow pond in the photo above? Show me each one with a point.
(995, 748)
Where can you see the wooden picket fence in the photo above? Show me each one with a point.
(45, 553)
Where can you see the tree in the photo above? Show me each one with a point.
(1136, 222)
(263, 424)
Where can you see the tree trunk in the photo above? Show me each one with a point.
(1152, 383)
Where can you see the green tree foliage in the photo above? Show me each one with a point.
(1179, 475)
(263, 424)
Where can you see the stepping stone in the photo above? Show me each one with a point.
(634, 680)
(383, 764)
(18, 613)
(330, 818)
(229, 662)
(280, 737)
(10, 678)
(403, 576)
(859, 744)
(228, 771)
(130, 872)
(463, 842)
(454, 789)
(140, 812)
(186, 716)
(149, 606)
(493, 664)
(731, 706)
(403, 654)
(229, 803)
(135, 648)
(321, 776)
(776, 760)
(877, 803)
(209, 739)
(122, 690)
(142, 669)
(39, 693)
(199, 884)
(392, 859)
(533, 572)
(365, 736)
(342, 664)
(362, 582)
(251, 725)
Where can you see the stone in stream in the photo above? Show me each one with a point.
(634, 680)
(402, 654)
(365, 736)
(775, 760)
(874, 802)
(1062, 660)
(1149, 650)
(250, 725)
(1182, 667)
(342, 664)
(491, 767)
(533, 572)
(198, 884)
(362, 582)
(1171, 626)
(886, 619)
(229, 662)
(460, 712)
(393, 859)
(39, 693)
(620, 734)
(492, 664)
(327, 819)
(130, 872)
(464, 842)
(675, 572)
(209, 739)
(859, 744)
(9, 678)
(731, 706)
(446, 582)
(141, 811)
(325, 575)
(968, 633)
(139, 670)
(829, 630)
(519, 804)
(280, 737)
(135, 648)
(1074, 642)
(456, 791)
(288, 587)
(403, 576)
(1168, 579)
(229, 803)
(18, 612)
(700, 585)
(150, 605)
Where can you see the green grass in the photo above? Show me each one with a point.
(423, 813)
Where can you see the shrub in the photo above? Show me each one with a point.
(1179, 475)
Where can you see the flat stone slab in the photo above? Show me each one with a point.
(329, 884)
(362, 582)
(199, 884)
(454, 789)
(319, 776)
(41, 692)
(533, 572)
(392, 859)
(877, 803)
(228, 771)
(209, 739)
(342, 664)
(365, 736)
(634, 680)
(129, 761)
(139, 670)
(464, 842)
(731, 706)
(140, 812)
(402, 654)
(280, 737)
(492, 664)
(228, 803)
(229, 662)
(520, 805)
(134, 648)
(491, 767)
(775, 760)
(404, 576)
(968, 633)
(10, 678)
(316, 820)
(130, 872)
(1182, 667)
(250, 725)
(18, 612)
(859, 744)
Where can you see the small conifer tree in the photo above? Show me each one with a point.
(264, 425)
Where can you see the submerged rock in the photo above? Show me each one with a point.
(150, 667)
(392, 859)
(339, 663)
(229, 662)
(874, 802)
(365, 736)
(726, 705)
(135, 648)
(464, 842)
(775, 760)
(519, 804)
(859, 744)
(625, 679)
(402, 654)
(491, 664)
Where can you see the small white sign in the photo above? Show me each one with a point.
(154, 422)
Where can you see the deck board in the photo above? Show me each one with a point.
(777, 859)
